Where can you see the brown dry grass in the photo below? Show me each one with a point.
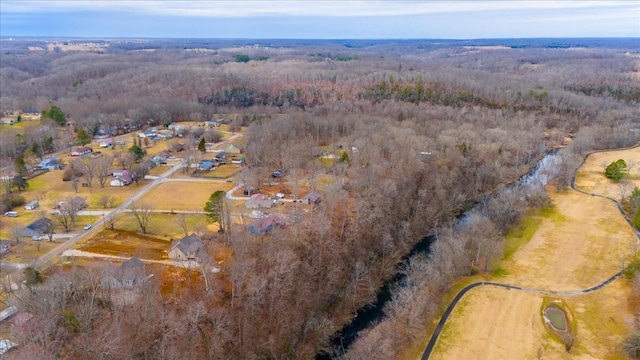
(591, 177)
(126, 243)
(166, 226)
(183, 195)
(578, 244)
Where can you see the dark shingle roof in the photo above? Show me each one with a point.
(189, 244)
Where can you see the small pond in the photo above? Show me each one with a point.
(556, 317)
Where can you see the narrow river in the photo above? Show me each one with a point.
(370, 315)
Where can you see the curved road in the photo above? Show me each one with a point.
(436, 333)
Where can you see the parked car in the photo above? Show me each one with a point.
(88, 226)
(11, 214)
(36, 238)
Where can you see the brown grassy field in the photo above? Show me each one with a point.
(580, 242)
(126, 243)
(165, 226)
(183, 195)
(591, 177)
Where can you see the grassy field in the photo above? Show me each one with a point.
(183, 195)
(165, 226)
(126, 243)
(577, 243)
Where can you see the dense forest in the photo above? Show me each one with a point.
(434, 128)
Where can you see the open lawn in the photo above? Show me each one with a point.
(27, 250)
(183, 195)
(579, 242)
(165, 226)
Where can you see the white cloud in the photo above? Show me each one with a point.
(307, 8)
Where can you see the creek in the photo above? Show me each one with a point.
(368, 316)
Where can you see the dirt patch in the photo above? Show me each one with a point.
(126, 243)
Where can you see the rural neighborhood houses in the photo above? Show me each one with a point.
(187, 248)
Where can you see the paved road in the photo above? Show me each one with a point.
(436, 333)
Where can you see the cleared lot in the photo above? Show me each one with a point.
(183, 195)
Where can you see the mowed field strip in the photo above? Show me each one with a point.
(582, 241)
(190, 196)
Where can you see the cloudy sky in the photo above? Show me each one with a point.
(329, 19)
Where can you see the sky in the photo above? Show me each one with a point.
(329, 19)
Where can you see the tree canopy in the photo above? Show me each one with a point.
(616, 170)
(215, 208)
(56, 114)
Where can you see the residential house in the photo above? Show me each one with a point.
(264, 225)
(205, 166)
(75, 203)
(311, 198)
(37, 228)
(241, 160)
(187, 248)
(5, 247)
(49, 163)
(221, 157)
(151, 134)
(32, 205)
(106, 143)
(234, 148)
(122, 178)
(80, 151)
(212, 123)
(130, 273)
(160, 158)
(257, 201)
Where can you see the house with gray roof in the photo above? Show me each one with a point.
(130, 273)
(37, 228)
(187, 248)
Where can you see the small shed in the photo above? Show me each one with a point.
(32, 205)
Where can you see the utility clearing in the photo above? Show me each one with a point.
(581, 242)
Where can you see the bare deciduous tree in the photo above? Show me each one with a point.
(103, 168)
(142, 212)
